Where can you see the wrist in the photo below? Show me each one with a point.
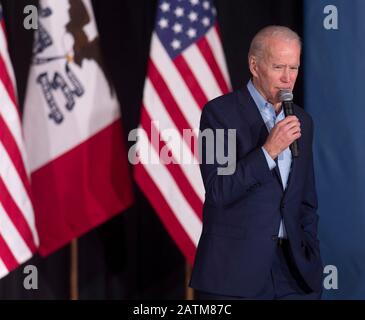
(272, 153)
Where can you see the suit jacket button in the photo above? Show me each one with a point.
(274, 238)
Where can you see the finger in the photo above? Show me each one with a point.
(292, 126)
(294, 130)
(293, 121)
(296, 136)
(287, 120)
(291, 118)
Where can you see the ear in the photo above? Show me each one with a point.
(252, 64)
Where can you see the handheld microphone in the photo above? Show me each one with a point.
(286, 97)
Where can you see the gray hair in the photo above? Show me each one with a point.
(257, 47)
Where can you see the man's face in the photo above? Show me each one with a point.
(277, 69)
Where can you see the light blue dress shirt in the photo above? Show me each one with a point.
(267, 112)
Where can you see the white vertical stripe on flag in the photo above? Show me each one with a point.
(175, 83)
(12, 237)
(202, 72)
(171, 192)
(3, 269)
(157, 112)
(16, 188)
(217, 50)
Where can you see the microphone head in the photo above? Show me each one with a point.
(285, 95)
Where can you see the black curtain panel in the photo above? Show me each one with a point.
(132, 256)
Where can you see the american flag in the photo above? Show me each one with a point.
(18, 235)
(186, 69)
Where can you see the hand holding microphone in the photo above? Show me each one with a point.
(285, 132)
(286, 97)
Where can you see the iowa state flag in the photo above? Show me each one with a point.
(334, 61)
(72, 124)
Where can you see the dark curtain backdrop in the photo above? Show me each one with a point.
(132, 256)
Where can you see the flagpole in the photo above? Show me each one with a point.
(189, 292)
(74, 290)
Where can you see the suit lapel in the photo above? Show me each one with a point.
(294, 165)
(277, 173)
(257, 124)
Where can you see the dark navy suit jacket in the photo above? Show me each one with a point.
(242, 211)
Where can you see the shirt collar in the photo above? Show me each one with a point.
(263, 105)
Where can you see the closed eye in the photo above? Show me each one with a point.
(278, 66)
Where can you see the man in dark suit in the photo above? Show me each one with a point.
(259, 238)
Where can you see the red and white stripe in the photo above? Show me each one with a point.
(18, 235)
(174, 95)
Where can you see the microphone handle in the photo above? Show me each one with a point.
(288, 111)
(294, 149)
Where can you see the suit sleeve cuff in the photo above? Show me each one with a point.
(270, 162)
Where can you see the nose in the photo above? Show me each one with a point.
(285, 77)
